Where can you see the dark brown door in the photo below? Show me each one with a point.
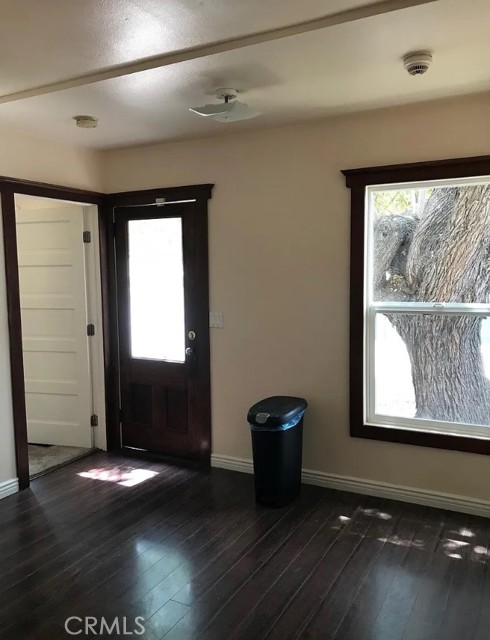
(163, 312)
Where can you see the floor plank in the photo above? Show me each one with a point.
(274, 599)
(190, 552)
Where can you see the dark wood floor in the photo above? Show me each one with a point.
(191, 553)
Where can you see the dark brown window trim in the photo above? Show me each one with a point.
(357, 180)
(418, 171)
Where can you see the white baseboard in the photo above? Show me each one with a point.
(231, 463)
(464, 504)
(8, 487)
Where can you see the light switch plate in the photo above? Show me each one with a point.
(216, 319)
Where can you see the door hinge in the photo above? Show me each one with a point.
(94, 420)
(87, 237)
(91, 330)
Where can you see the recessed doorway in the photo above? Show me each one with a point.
(61, 350)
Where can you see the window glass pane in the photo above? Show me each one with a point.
(156, 283)
(432, 367)
(430, 244)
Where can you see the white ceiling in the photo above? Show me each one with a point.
(343, 68)
(50, 40)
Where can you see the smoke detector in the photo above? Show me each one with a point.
(86, 122)
(229, 110)
(417, 63)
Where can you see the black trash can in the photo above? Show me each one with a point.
(277, 441)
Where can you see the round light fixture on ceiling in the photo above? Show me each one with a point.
(417, 62)
(86, 122)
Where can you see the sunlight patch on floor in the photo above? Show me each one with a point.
(123, 476)
(448, 543)
(376, 514)
(402, 542)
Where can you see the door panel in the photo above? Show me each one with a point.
(54, 321)
(162, 282)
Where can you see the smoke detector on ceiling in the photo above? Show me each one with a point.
(86, 122)
(229, 110)
(418, 62)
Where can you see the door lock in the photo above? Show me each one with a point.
(191, 335)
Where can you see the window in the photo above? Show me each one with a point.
(156, 278)
(420, 324)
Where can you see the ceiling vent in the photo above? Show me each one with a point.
(230, 110)
(417, 63)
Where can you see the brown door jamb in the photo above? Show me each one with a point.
(8, 188)
(199, 194)
(15, 337)
(106, 203)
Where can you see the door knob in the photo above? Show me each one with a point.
(189, 351)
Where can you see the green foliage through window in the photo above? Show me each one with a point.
(399, 201)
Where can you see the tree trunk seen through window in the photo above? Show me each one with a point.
(439, 251)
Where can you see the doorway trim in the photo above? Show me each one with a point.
(9, 187)
(199, 194)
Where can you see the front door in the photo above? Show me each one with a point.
(163, 314)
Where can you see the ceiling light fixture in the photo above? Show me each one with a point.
(230, 110)
(86, 122)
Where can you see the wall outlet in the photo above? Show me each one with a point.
(216, 319)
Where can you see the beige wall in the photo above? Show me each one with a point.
(30, 158)
(279, 260)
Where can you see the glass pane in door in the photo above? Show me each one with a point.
(156, 289)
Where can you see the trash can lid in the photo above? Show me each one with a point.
(276, 410)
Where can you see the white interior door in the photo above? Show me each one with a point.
(53, 301)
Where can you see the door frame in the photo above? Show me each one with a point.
(105, 203)
(9, 188)
(199, 195)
